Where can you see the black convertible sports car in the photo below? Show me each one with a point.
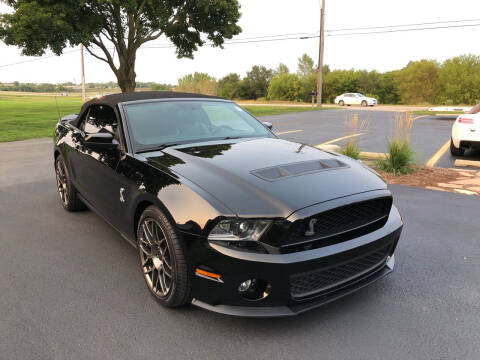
(224, 214)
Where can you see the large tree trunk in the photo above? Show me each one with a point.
(126, 73)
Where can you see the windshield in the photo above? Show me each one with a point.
(158, 123)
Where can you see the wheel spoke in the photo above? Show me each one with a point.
(167, 263)
(155, 257)
(163, 283)
(167, 270)
(146, 252)
(147, 232)
(148, 271)
(154, 279)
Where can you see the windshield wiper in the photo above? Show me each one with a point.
(158, 148)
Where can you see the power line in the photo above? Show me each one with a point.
(38, 59)
(401, 25)
(281, 37)
(236, 42)
(404, 30)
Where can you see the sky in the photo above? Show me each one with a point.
(382, 52)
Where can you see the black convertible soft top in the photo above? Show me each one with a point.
(115, 99)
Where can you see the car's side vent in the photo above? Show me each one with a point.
(295, 169)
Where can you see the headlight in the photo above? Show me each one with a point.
(238, 230)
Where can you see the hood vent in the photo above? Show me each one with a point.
(296, 169)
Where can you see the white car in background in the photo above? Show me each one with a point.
(355, 99)
(466, 132)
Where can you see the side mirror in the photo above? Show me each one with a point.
(267, 125)
(101, 140)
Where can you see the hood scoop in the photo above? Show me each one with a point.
(279, 172)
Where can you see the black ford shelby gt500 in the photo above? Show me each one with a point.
(224, 214)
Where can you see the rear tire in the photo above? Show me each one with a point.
(163, 259)
(341, 103)
(456, 151)
(67, 192)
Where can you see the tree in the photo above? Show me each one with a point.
(160, 87)
(124, 25)
(198, 83)
(387, 88)
(284, 87)
(282, 69)
(229, 86)
(307, 77)
(256, 83)
(338, 82)
(459, 79)
(306, 66)
(307, 85)
(417, 81)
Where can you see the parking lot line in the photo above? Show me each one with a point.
(288, 132)
(340, 138)
(419, 117)
(434, 159)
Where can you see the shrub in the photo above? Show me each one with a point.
(351, 149)
(399, 159)
(353, 127)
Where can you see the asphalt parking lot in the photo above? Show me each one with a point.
(71, 287)
(429, 133)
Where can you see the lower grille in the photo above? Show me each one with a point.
(313, 282)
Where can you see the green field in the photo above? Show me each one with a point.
(277, 110)
(426, 112)
(28, 117)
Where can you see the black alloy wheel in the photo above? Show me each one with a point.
(162, 259)
(66, 190)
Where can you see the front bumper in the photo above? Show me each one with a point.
(280, 269)
(279, 311)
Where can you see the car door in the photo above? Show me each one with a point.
(348, 99)
(95, 166)
(356, 99)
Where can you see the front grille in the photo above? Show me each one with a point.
(339, 224)
(314, 282)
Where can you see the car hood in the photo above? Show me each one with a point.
(267, 176)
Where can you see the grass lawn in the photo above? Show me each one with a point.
(277, 110)
(29, 116)
(426, 112)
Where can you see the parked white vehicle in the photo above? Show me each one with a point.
(355, 99)
(466, 132)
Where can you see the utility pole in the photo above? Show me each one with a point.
(320, 56)
(84, 94)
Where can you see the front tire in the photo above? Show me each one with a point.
(364, 103)
(456, 151)
(67, 192)
(341, 103)
(163, 259)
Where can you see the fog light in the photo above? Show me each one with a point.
(244, 286)
(254, 289)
